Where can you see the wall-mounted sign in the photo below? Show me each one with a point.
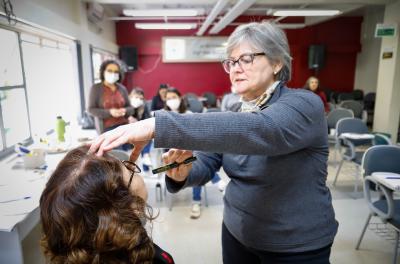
(385, 30)
(194, 49)
(387, 53)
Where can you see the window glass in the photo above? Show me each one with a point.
(10, 60)
(15, 115)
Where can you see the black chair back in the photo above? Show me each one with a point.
(354, 106)
(211, 99)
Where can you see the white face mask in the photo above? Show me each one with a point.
(136, 102)
(174, 103)
(111, 77)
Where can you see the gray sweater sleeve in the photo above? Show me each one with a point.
(203, 171)
(286, 126)
(95, 108)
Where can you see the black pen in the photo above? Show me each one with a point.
(173, 165)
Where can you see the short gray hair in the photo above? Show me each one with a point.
(269, 39)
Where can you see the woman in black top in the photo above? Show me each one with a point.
(158, 101)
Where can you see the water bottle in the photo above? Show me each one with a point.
(60, 129)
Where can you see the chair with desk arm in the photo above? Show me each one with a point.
(350, 147)
(384, 158)
(332, 119)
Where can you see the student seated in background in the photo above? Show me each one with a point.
(93, 210)
(140, 113)
(175, 103)
(312, 84)
(158, 101)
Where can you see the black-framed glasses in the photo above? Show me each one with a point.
(132, 167)
(244, 61)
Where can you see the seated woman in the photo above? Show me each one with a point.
(141, 113)
(312, 84)
(175, 103)
(93, 210)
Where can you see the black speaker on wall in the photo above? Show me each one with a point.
(128, 55)
(316, 56)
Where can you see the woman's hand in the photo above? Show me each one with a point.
(122, 111)
(138, 134)
(180, 173)
(117, 112)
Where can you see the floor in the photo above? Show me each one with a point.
(198, 241)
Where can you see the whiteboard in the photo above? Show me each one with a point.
(193, 49)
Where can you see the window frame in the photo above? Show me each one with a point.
(7, 150)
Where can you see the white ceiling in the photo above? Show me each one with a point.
(234, 8)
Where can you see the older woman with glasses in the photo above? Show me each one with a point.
(93, 210)
(278, 208)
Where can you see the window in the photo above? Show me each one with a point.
(14, 118)
(10, 59)
(98, 56)
(38, 82)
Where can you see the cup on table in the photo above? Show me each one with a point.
(34, 159)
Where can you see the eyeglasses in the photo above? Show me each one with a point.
(244, 61)
(132, 167)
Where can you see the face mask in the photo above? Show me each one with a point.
(174, 104)
(136, 102)
(111, 77)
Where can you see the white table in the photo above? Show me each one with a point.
(18, 213)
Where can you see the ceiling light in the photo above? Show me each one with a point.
(160, 12)
(166, 25)
(306, 12)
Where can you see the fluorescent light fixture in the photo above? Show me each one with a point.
(166, 25)
(232, 14)
(160, 12)
(306, 12)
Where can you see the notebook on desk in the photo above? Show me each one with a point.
(357, 136)
(389, 179)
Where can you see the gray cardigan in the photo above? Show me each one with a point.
(277, 199)
(96, 109)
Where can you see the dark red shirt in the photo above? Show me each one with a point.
(113, 99)
(322, 95)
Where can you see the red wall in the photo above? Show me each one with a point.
(341, 37)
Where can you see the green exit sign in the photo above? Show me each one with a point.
(385, 30)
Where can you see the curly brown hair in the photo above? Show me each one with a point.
(89, 215)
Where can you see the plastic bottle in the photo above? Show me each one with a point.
(60, 129)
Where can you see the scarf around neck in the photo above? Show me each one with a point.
(260, 102)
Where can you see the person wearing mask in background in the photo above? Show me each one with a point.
(175, 103)
(108, 100)
(93, 210)
(230, 101)
(140, 113)
(277, 207)
(312, 84)
(158, 101)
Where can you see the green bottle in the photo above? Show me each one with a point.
(60, 129)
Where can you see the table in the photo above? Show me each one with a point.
(20, 191)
